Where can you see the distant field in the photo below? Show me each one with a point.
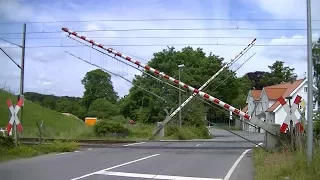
(55, 123)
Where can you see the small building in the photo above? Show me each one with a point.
(90, 121)
(264, 105)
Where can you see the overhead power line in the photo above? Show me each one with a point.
(171, 37)
(115, 74)
(159, 45)
(142, 71)
(162, 19)
(168, 29)
(10, 42)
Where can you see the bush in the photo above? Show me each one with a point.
(187, 132)
(6, 142)
(103, 128)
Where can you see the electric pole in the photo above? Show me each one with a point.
(22, 67)
(310, 86)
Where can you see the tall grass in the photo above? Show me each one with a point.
(286, 165)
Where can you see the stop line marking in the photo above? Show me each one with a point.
(153, 176)
(134, 144)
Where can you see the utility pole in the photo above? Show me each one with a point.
(21, 80)
(22, 67)
(180, 123)
(310, 86)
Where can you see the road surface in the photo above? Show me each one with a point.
(192, 160)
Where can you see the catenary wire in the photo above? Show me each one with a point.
(166, 29)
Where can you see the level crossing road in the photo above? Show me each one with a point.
(187, 160)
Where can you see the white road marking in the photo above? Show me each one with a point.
(153, 176)
(134, 144)
(76, 151)
(113, 167)
(89, 149)
(260, 144)
(235, 165)
(198, 145)
(63, 153)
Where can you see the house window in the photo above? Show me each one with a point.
(305, 89)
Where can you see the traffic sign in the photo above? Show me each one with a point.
(290, 113)
(14, 115)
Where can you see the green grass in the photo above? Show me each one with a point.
(55, 124)
(285, 165)
(26, 151)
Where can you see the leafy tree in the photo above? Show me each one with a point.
(141, 106)
(103, 109)
(316, 66)
(279, 73)
(256, 79)
(67, 106)
(49, 102)
(97, 84)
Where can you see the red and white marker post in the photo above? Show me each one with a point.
(290, 113)
(14, 115)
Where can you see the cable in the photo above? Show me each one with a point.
(169, 37)
(234, 71)
(10, 58)
(155, 45)
(10, 42)
(170, 29)
(114, 74)
(171, 19)
(127, 64)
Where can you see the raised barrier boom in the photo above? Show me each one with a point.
(162, 74)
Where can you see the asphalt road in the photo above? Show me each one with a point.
(211, 159)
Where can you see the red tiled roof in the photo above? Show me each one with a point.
(256, 94)
(274, 93)
(289, 88)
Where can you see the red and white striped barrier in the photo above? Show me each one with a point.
(290, 113)
(14, 115)
(157, 72)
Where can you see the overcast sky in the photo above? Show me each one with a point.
(50, 70)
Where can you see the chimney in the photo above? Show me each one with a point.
(305, 75)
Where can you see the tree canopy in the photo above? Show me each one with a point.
(97, 84)
(278, 73)
(198, 68)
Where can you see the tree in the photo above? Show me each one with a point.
(97, 84)
(245, 85)
(49, 102)
(256, 78)
(103, 109)
(316, 66)
(141, 106)
(279, 73)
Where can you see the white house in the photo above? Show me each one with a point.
(264, 104)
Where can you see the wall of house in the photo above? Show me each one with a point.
(271, 102)
(280, 114)
(264, 101)
(270, 117)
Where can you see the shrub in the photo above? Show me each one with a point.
(6, 142)
(103, 128)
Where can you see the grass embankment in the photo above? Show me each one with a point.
(54, 123)
(57, 125)
(285, 165)
(8, 151)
